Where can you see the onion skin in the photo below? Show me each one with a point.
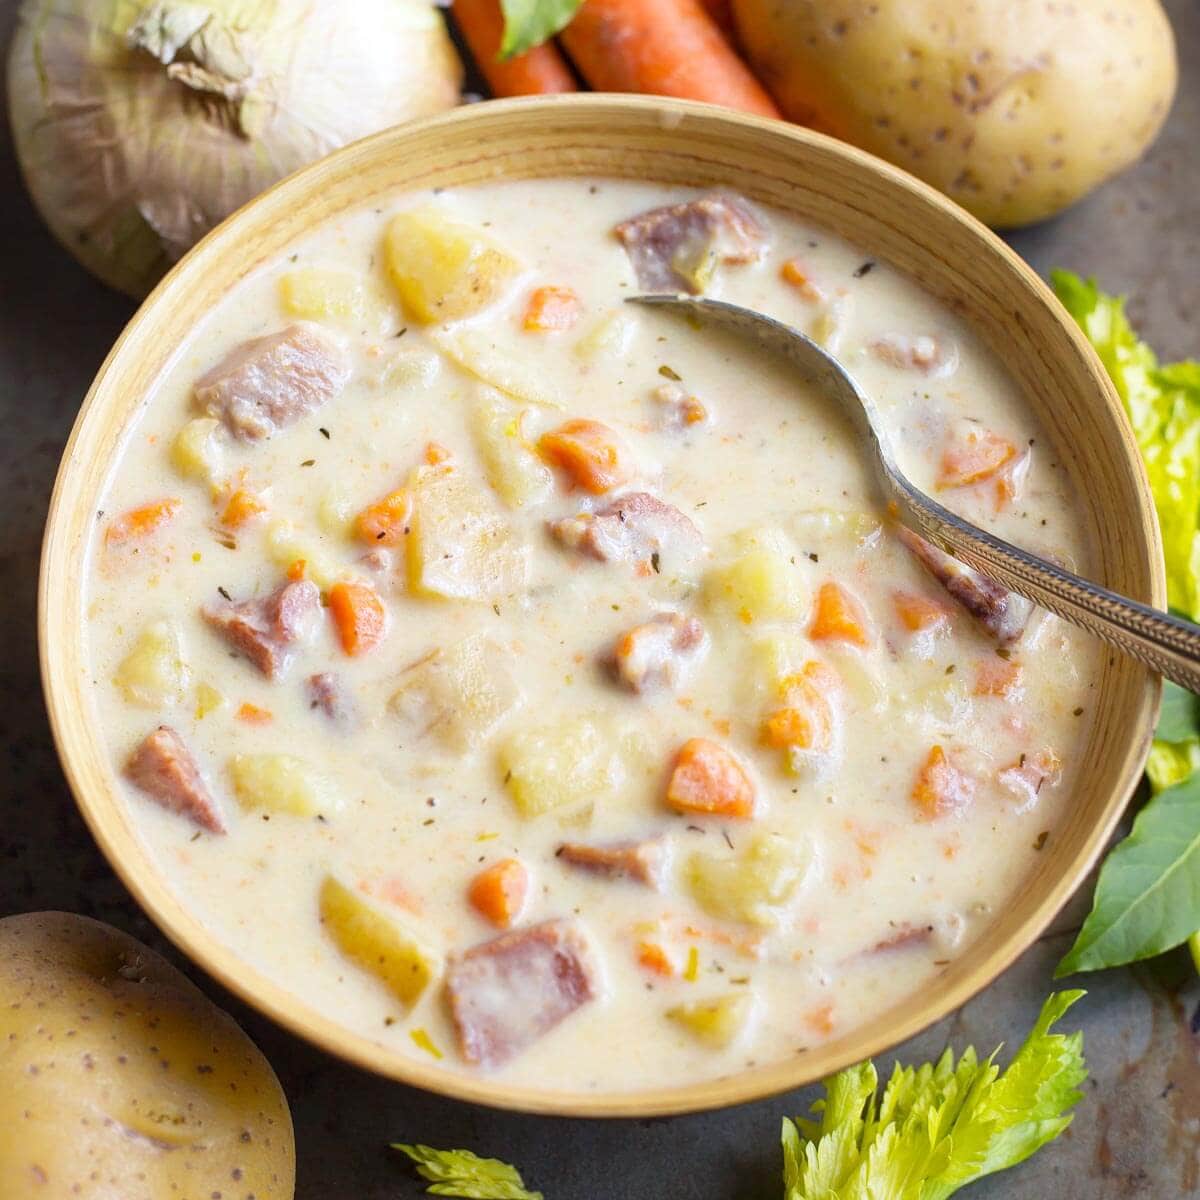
(131, 157)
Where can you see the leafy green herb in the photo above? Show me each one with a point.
(1163, 403)
(461, 1173)
(936, 1127)
(1148, 894)
(528, 23)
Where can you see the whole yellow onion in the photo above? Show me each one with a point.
(140, 125)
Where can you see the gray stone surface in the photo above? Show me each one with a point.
(1136, 1133)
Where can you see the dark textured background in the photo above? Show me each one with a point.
(1137, 1132)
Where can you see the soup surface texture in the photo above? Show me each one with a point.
(529, 681)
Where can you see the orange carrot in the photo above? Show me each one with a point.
(499, 892)
(707, 778)
(537, 72)
(359, 615)
(654, 958)
(794, 272)
(941, 788)
(997, 677)
(138, 522)
(806, 722)
(385, 522)
(437, 455)
(551, 310)
(838, 617)
(974, 456)
(297, 569)
(589, 452)
(663, 47)
(253, 715)
(243, 506)
(918, 613)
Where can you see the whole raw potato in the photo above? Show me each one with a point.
(1014, 108)
(120, 1081)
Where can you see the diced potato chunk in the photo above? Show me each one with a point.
(154, 674)
(208, 700)
(444, 270)
(282, 784)
(196, 451)
(459, 694)
(475, 350)
(336, 510)
(320, 293)
(286, 545)
(375, 941)
(557, 765)
(761, 583)
(716, 1022)
(610, 336)
(752, 885)
(459, 547)
(513, 469)
(772, 659)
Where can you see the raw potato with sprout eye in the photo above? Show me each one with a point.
(139, 126)
(1013, 108)
(119, 1080)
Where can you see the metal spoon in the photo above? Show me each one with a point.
(1166, 643)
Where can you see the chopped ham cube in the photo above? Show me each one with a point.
(265, 630)
(675, 248)
(916, 352)
(1026, 778)
(642, 861)
(656, 655)
(326, 692)
(163, 767)
(637, 529)
(1000, 612)
(272, 381)
(507, 993)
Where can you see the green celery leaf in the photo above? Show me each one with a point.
(1164, 408)
(528, 23)
(936, 1127)
(1170, 763)
(1179, 719)
(461, 1173)
(1148, 894)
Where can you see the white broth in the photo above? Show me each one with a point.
(399, 625)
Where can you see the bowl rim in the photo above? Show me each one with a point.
(284, 1006)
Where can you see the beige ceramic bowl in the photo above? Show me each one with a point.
(891, 216)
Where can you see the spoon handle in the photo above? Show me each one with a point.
(1168, 644)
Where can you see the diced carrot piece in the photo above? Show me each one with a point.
(694, 413)
(838, 616)
(972, 456)
(437, 455)
(918, 613)
(807, 720)
(499, 892)
(588, 452)
(385, 522)
(787, 727)
(654, 958)
(551, 310)
(243, 506)
(359, 614)
(794, 272)
(941, 788)
(297, 569)
(139, 522)
(707, 778)
(997, 677)
(820, 1019)
(253, 715)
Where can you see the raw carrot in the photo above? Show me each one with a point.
(243, 506)
(385, 522)
(838, 617)
(941, 789)
(359, 615)
(138, 522)
(707, 778)
(499, 892)
(551, 310)
(539, 71)
(662, 47)
(589, 452)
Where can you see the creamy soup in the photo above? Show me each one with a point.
(526, 679)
